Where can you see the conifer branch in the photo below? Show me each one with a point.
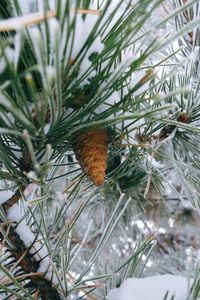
(21, 253)
(29, 265)
(56, 87)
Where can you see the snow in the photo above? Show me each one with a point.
(84, 29)
(15, 215)
(5, 195)
(53, 31)
(154, 287)
(30, 191)
(51, 73)
(9, 53)
(140, 77)
(46, 128)
(37, 248)
(154, 163)
(37, 42)
(47, 268)
(2, 64)
(18, 41)
(32, 176)
(25, 6)
(19, 22)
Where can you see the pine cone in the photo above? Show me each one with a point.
(90, 149)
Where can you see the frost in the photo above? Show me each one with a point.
(156, 287)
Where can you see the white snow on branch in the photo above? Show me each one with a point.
(154, 287)
(36, 247)
(154, 162)
(5, 195)
(15, 215)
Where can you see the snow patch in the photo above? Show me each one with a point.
(84, 28)
(15, 215)
(154, 287)
(47, 269)
(154, 163)
(36, 247)
(5, 195)
(32, 176)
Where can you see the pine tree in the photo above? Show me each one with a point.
(104, 95)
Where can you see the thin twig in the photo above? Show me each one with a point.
(36, 18)
(24, 276)
(28, 20)
(89, 11)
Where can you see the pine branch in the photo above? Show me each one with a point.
(22, 255)
(29, 265)
(20, 252)
(57, 86)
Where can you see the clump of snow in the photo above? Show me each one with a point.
(51, 73)
(32, 176)
(30, 191)
(47, 268)
(15, 215)
(46, 128)
(153, 162)
(36, 247)
(141, 78)
(83, 30)
(5, 195)
(154, 287)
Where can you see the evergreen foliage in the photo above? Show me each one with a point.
(129, 70)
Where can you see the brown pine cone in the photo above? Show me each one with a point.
(91, 149)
